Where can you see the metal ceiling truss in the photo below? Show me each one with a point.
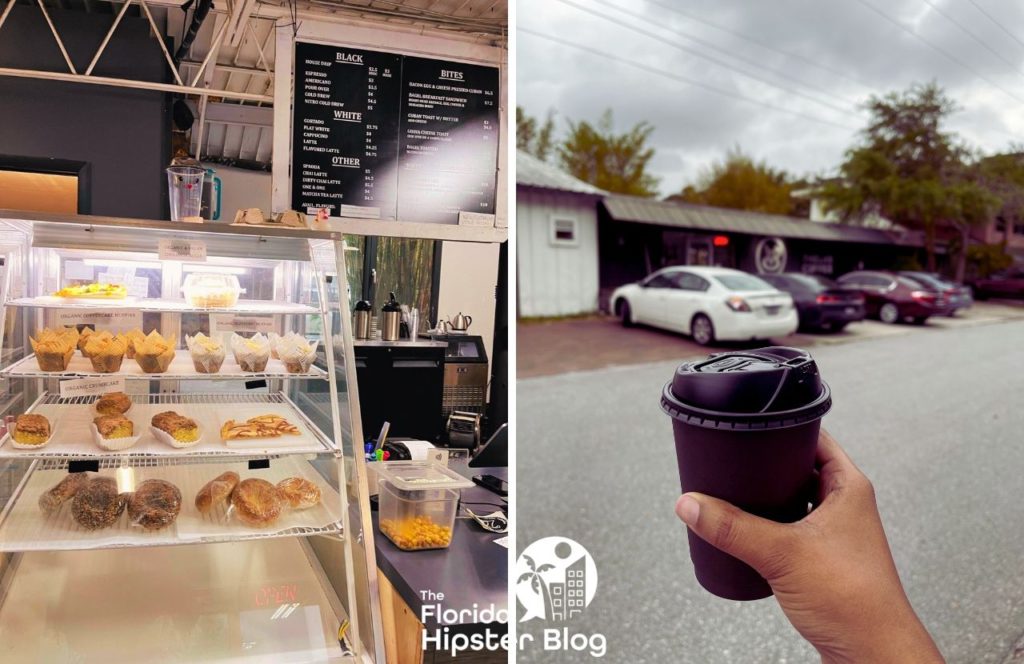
(238, 20)
(246, 81)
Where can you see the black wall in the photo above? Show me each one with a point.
(498, 407)
(123, 134)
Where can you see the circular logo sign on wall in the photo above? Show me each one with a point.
(770, 255)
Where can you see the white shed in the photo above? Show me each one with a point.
(556, 240)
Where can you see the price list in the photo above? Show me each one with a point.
(386, 136)
(448, 147)
(345, 143)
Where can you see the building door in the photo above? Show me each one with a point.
(699, 250)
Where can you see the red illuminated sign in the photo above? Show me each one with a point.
(275, 595)
(721, 241)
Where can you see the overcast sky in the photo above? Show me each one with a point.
(859, 52)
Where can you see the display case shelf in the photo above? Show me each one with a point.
(249, 307)
(181, 368)
(70, 420)
(24, 527)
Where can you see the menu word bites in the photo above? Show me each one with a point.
(386, 136)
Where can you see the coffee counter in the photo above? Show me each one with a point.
(472, 574)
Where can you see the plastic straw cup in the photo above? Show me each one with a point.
(746, 431)
(185, 189)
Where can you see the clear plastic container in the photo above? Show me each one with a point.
(210, 291)
(418, 502)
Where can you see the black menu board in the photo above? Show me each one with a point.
(386, 136)
(345, 131)
(448, 144)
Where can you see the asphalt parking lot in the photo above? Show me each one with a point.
(546, 348)
(931, 414)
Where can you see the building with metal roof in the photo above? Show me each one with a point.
(639, 235)
(701, 217)
(577, 243)
(556, 231)
(538, 174)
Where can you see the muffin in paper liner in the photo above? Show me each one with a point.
(98, 341)
(296, 352)
(53, 349)
(83, 336)
(251, 354)
(106, 353)
(207, 354)
(154, 353)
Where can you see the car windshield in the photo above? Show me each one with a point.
(742, 282)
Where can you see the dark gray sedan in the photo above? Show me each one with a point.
(958, 296)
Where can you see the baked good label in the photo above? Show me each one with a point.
(85, 386)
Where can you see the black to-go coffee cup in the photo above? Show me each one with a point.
(746, 429)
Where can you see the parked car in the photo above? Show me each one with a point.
(820, 303)
(958, 296)
(892, 298)
(708, 303)
(1007, 283)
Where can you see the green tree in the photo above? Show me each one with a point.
(609, 160)
(968, 204)
(739, 183)
(534, 136)
(906, 168)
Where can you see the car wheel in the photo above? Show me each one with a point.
(837, 327)
(625, 313)
(702, 331)
(889, 313)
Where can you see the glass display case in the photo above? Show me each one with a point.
(232, 529)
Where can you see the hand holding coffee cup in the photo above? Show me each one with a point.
(832, 571)
(746, 429)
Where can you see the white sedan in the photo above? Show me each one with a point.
(708, 303)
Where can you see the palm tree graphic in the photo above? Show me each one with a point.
(537, 582)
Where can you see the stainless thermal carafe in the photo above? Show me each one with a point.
(391, 319)
(361, 320)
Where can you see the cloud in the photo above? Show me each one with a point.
(855, 53)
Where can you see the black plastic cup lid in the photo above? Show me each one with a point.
(364, 305)
(765, 388)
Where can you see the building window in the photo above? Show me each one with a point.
(1000, 224)
(1018, 229)
(564, 232)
